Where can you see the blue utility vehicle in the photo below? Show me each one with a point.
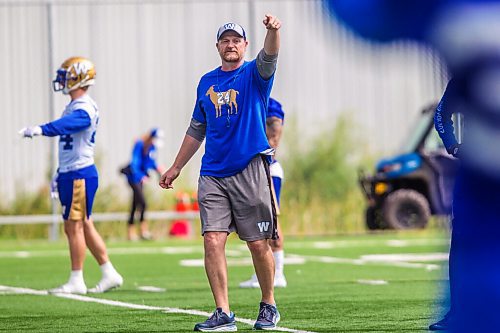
(408, 188)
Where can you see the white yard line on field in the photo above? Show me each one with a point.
(21, 291)
(151, 289)
(295, 259)
(398, 257)
(362, 261)
(353, 243)
(373, 282)
(379, 242)
(81, 298)
(236, 251)
(169, 250)
(240, 258)
(246, 261)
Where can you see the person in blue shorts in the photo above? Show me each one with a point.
(234, 187)
(144, 156)
(77, 178)
(274, 128)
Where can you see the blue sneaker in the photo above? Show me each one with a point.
(268, 318)
(218, 322)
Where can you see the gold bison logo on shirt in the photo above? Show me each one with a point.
(223, 97)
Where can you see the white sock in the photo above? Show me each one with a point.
(279, 261)
(107, 269)
(76, 276)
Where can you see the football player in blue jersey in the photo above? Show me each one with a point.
(77, 179)
(144, 155)
(234, 188)
(274, 129)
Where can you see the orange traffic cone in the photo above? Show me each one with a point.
(194, 202)
(181, 228)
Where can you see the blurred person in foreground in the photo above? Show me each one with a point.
(473, 278)
(234, 187)
(274, 128)
(465, 32)
(144, 158)
(77, 178)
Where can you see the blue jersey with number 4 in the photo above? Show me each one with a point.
(233, 105)
(76, 130)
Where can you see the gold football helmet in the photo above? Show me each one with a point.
(74, 73)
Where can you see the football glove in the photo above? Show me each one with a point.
(31, 131)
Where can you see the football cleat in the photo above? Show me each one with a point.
(279, 282)
(107, 283)
(70, 288)
(252, 283)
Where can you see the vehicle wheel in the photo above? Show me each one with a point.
(406, 209)
(372, 218)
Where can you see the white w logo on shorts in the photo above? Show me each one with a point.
(263, 226)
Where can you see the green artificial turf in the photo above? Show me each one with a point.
(320, 297)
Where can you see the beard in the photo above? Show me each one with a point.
(231, 57)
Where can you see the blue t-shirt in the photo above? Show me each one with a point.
(275, 109)
(233, 105)
(142, 161)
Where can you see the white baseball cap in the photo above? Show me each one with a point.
(233, 27)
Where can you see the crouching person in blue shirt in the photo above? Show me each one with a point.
(144, 156)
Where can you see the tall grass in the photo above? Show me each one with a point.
(26, 203)
(320, 194)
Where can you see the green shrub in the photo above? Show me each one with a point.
(320, 194)
(27, 203)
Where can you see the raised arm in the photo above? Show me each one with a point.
(272, 41)
(268, 56)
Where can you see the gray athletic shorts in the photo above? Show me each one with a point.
(242, 203)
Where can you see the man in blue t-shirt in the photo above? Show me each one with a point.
(234, 188)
